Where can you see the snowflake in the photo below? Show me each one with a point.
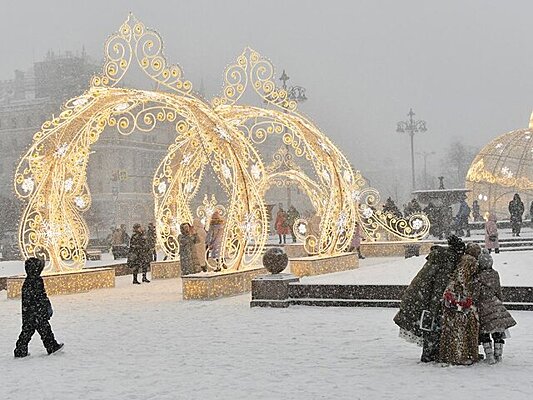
(527, 137)
(248, 226)
(121, 107)
(69, 183)
(367, 212)
(356, 195)
(80, 202)
(323, 146)
(341, 222)
(162, 187)
(79, 102)
(507, 172)
(226, 172)
(61, 150)
(189, 186)
(302, 229)
(325, 175)
(51, 232)
(28, 185)
(222, 133)
(186, 159)
(256, 171)
(417, 224)
(499, 145)
(347, 176)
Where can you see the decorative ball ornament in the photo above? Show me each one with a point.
(275, 260)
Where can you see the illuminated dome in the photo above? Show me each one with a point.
(501, 169)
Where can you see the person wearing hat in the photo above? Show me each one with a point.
(138, 254)
(36, 311)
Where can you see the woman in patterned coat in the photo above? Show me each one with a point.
(460, 326)
(214, 238)
(494, 318)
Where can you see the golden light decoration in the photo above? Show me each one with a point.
(502, 168)
(223, 135)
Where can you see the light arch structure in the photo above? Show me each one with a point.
(51, 176)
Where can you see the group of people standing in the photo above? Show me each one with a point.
(284, 224)
(454, 304)
(196, 245)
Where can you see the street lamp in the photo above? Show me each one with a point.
(411, 126)
(425, 154)
(296, 93)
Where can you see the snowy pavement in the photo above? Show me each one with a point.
(144, 342)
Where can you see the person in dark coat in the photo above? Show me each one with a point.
(139, 254)
(292, 216)
(461, 219)
(494, 319)
(36, 311)
(516, 209)
(421, 311)
(151, 239)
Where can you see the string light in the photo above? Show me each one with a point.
(67, 282)
(223, 135)
(318, 265)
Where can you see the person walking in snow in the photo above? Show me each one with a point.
(139, 254)
(494, 319)
(516, 209)
(459, 341)
(36, 311)
(491, 234)
(420, 314)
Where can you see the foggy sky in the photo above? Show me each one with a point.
(464, 66)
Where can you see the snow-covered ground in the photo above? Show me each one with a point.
(515, 268)
(145, 342)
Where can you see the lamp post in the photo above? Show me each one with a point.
(296, 93)
(425, 154)
(411, 126)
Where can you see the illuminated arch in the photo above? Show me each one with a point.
(52, 175)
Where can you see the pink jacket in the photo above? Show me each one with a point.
(491, 229)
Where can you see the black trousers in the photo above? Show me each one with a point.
(496, 336)
(28, 329)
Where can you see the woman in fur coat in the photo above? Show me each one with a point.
(494, 318)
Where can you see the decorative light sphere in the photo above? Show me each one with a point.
(275, 260)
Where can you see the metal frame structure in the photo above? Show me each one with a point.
(225, 135)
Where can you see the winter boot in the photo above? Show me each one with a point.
(56, 348)
(498, 351)
(489, 353)
(145, 279)
(135, 281)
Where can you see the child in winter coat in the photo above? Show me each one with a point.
(36, 311)
(494, 318)
(491, 234)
